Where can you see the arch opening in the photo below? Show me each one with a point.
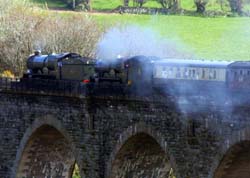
(235, 163)
(141, 157)
(46, 154)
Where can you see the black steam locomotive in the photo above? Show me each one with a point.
(73, 67)
(143, 74)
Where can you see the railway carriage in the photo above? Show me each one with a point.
(239, 76)
(190, 75)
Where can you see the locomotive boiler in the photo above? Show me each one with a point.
(65, 66)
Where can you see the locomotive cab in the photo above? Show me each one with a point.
(110, 71)
(239, 76)
(139, 71)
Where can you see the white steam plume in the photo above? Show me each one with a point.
(133, 40)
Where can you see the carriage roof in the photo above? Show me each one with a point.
(240, 65)
(194, 63)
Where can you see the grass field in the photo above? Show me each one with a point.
(111, 4)
(211, 38)
(55, 4)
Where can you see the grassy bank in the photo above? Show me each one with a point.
(210, 38)
(111, 4)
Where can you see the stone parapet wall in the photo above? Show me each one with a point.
(114, 137)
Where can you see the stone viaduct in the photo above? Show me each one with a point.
(45, 135)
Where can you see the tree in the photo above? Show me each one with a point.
(126, 2)
(73, 4)
(236, 6)
(200, 5)
(87, 4)
(139, 2)
(76, 3)
(170, 4)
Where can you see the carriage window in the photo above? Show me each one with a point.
(241, 78)
(178, 72)
(139, 71)
(185, 74)
(235, 74)
(193, 73)
(210, 74)
(197, 75)
(203, 73)
(164, 72)
(189, 73)
(214, 74)
(170, 71)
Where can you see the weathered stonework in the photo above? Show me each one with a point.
(47, 154)
(44, 136)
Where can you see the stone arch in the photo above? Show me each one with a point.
(234, 162)
(146, 143)
(45, 150)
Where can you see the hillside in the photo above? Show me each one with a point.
(210, 38)
(112, 4)
(217, 38)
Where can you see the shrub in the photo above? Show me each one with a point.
(24, 29)
(7, 74)
(200, 5)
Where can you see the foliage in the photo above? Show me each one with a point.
(53, 4)
(100, 5)
(236, 6)
(7, 74)
(76, 4)
(23, 29)
(139, 3)
(171, 173)
(200, 5)
(170, 4)
(76, 172)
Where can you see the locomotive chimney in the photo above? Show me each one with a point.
(37, 53)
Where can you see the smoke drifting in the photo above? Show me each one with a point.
(134, 40)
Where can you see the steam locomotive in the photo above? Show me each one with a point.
(73, 67)
(141, 73)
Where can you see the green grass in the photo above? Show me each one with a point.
(210, 38)
(112, 4)
(105, 4)
(96, 4)
(55, 4)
